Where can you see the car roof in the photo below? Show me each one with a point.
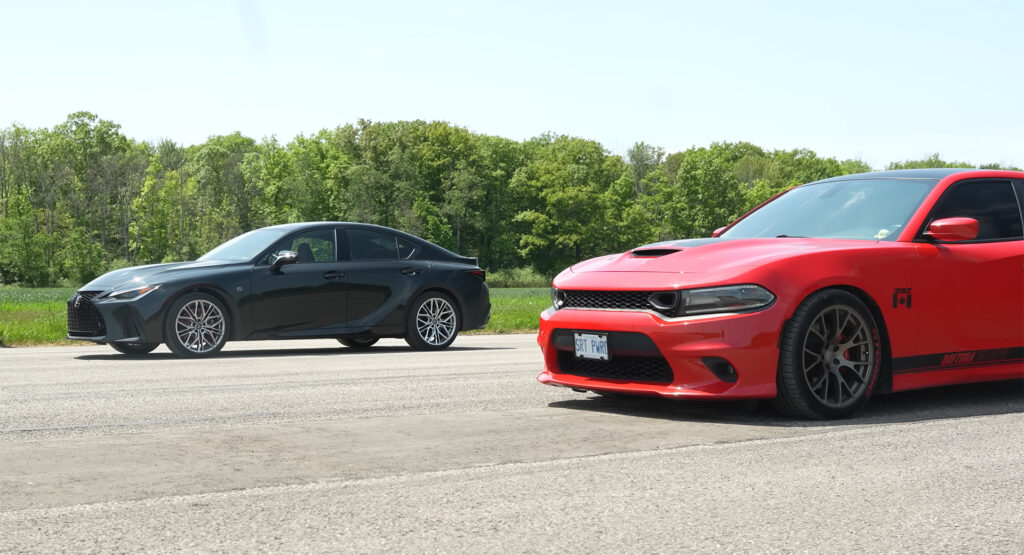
(435, 248)
(309, 225)
(926, 173)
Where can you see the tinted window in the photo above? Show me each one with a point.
(993, 204)
(313, 246)
(406, 249)
(854, 209)
(372, 245)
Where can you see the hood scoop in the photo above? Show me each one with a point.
(652, 253)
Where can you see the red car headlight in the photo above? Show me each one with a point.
(732, 298)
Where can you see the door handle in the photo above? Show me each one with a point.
(334, 275)
(411, 271)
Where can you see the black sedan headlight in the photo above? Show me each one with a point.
(132, 293)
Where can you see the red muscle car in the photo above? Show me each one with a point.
(818, 299)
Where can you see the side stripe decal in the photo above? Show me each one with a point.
(957, 360)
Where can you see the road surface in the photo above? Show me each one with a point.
(305, 446)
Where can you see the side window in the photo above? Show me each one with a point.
(372, 245)
(406, 249)
(313, 246)
(993, 204)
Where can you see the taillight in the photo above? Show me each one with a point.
(481, 273)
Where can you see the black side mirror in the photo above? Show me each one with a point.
(282, 258)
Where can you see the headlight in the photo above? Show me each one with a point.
(133, 293)
(732, 298)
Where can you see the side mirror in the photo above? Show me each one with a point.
(282, 258)
(953, 229)
(718, 231)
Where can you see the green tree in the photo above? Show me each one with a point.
(23, 245)
(706, 193)
(151, 218)
(933, 161)
(565, 183)
(81, 255)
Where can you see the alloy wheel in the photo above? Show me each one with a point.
(838, 356)
(436, 321)
(200, 326)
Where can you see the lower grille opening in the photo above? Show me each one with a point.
(130, 329)
(626, 368)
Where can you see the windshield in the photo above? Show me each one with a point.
(874, 209)
(245, 246)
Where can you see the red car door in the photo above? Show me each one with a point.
(970, 294)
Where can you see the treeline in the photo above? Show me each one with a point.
(82, 198)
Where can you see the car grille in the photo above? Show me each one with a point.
(83, 318)
(626, 368)
(613, 300)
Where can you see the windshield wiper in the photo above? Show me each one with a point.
(791, 236)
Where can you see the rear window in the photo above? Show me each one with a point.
(365, 244)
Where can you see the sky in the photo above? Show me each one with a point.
(875, 81)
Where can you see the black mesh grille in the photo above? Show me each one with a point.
(615, 300)
(627, 368)
(83, 318)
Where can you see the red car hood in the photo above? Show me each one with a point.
(691, 262)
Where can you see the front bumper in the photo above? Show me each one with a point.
(748, 342)
(93, 319)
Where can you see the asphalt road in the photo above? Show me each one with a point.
(310, 447)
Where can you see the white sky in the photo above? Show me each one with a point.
(880, 81)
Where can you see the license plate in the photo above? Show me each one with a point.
(591, 345)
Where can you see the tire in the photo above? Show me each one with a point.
(830, 357)
(197, 325)
(134, 349)
(360, 343)
(432, 322)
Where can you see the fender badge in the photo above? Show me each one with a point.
(901, 297)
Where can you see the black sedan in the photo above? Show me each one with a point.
(349, 281)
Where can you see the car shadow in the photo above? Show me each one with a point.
(938, 403)
(273, 353)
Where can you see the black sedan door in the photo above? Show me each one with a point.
(304, 299)
(383, 274)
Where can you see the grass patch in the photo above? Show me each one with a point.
(34, 316)
(516, 310)
(39, 316)
(517, 277)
